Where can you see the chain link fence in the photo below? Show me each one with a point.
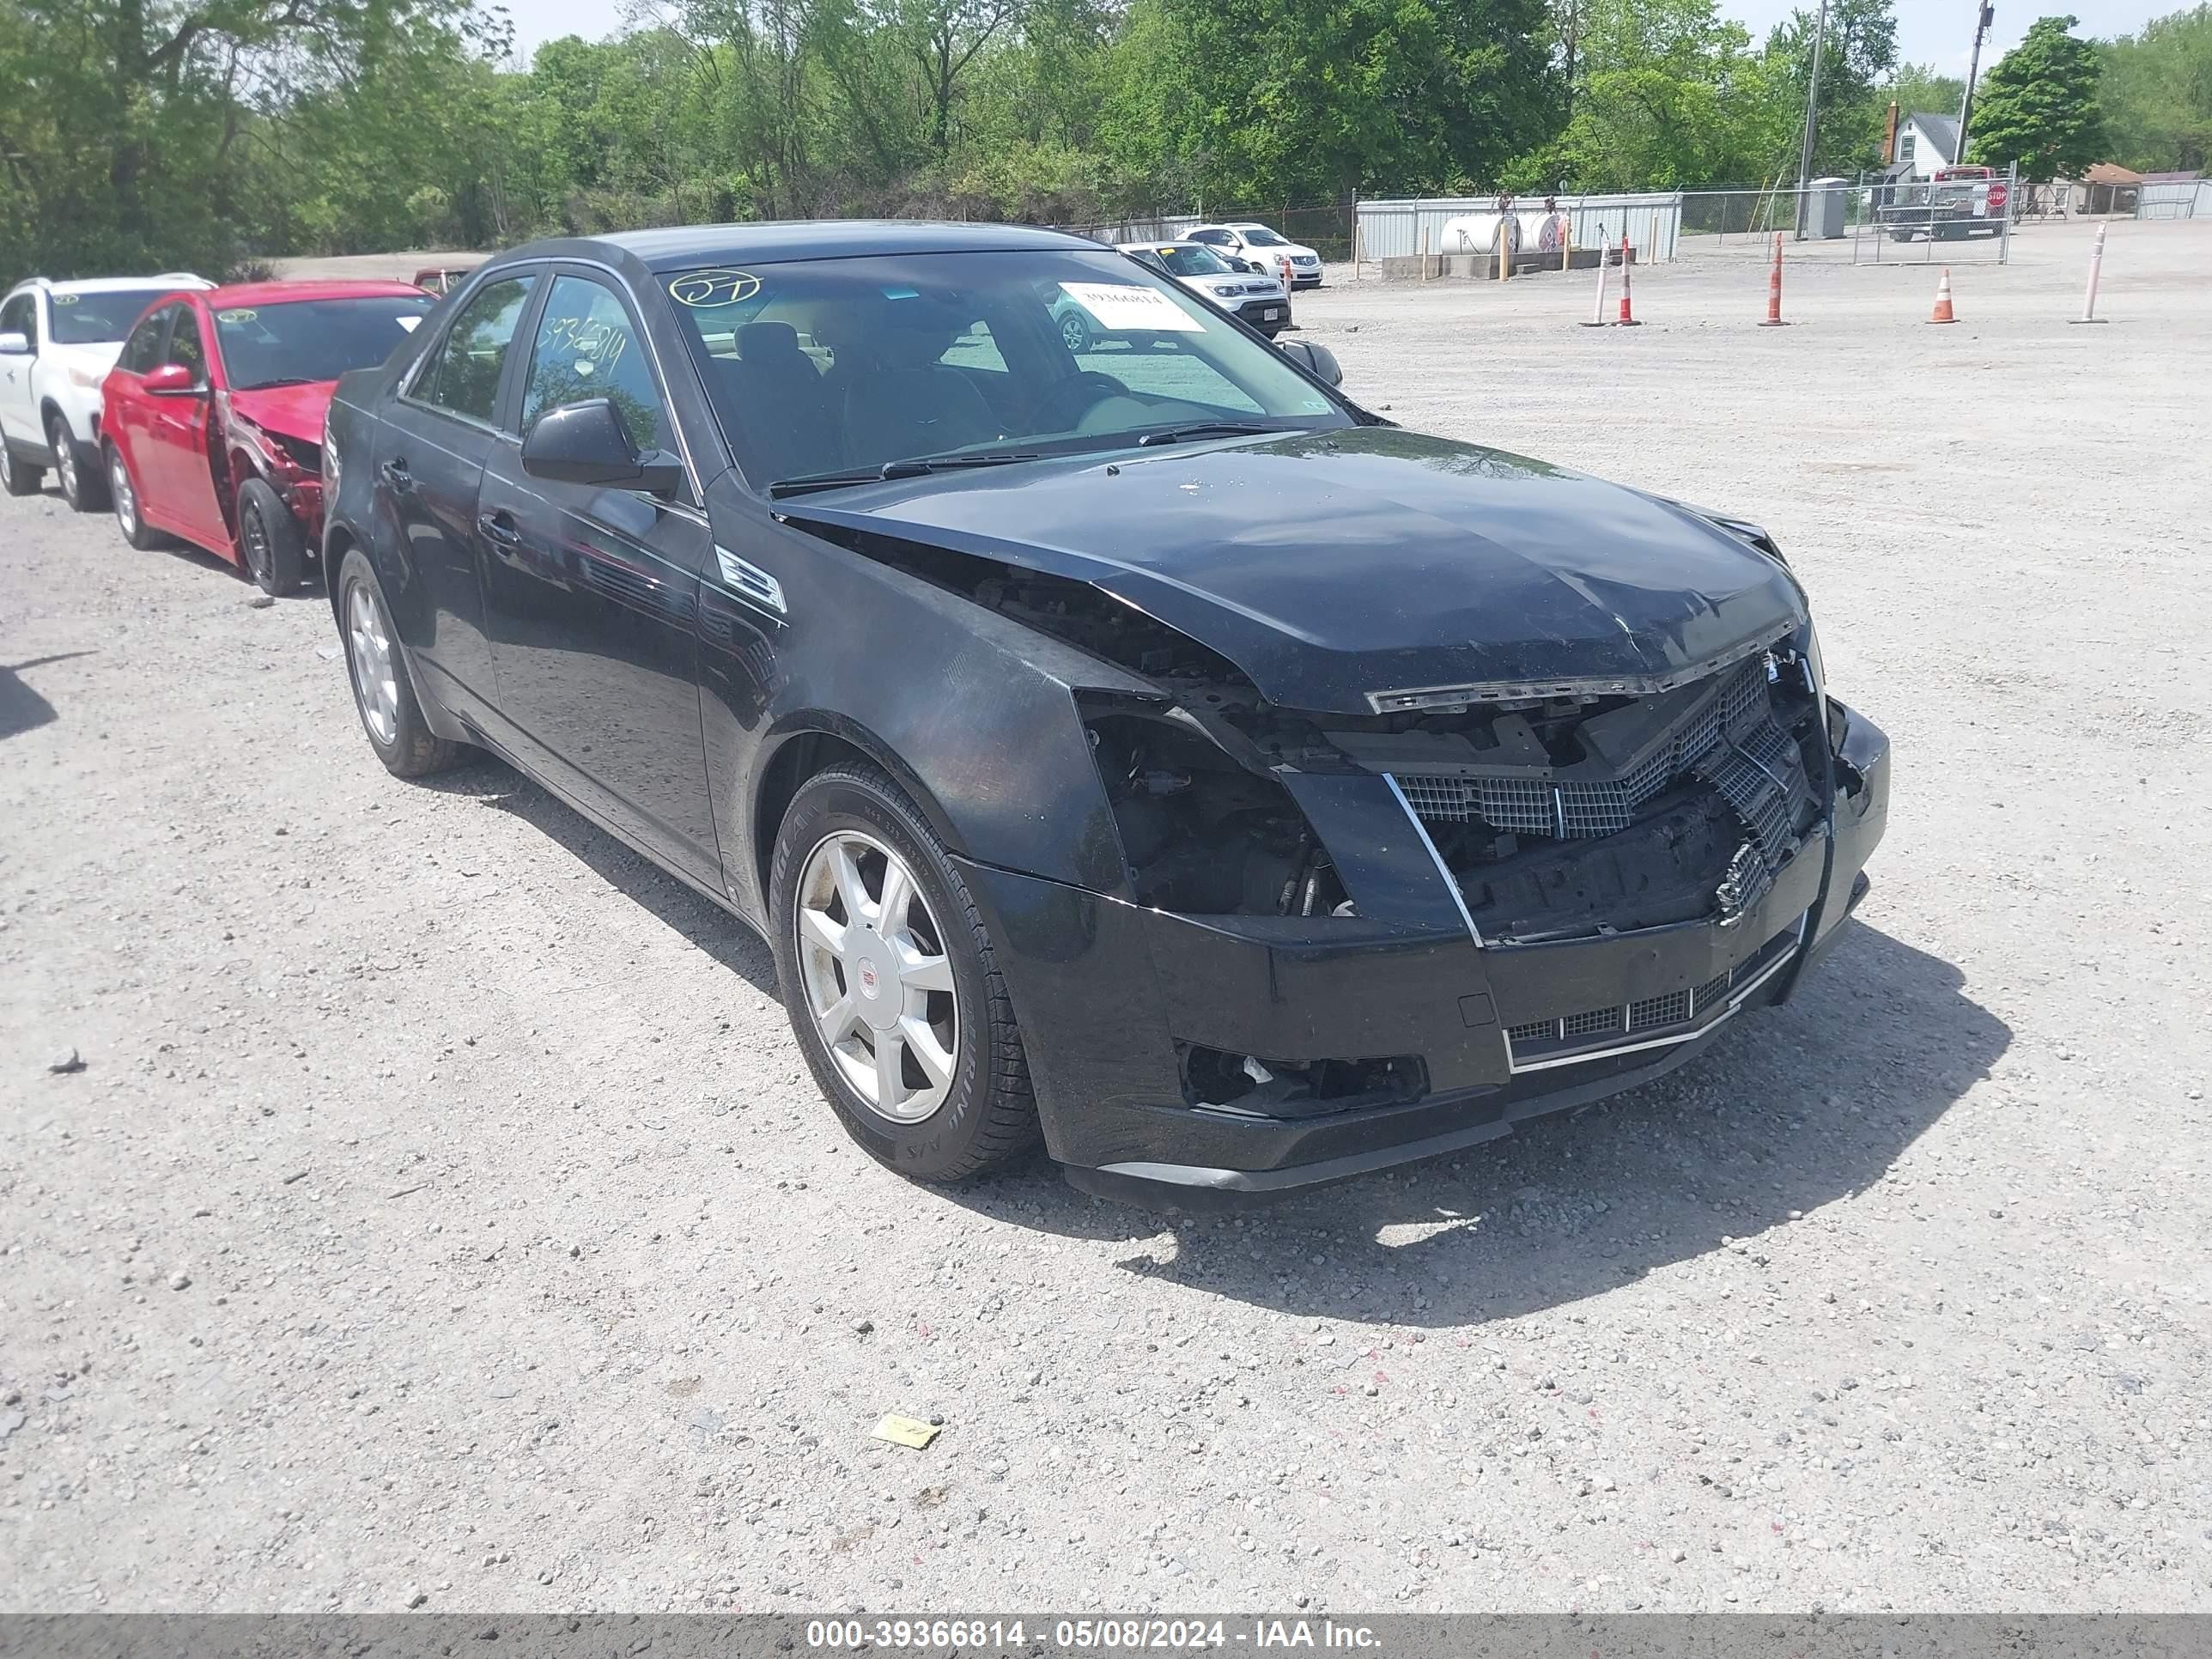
(1882, 222)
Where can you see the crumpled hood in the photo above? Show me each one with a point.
(1329, 566)
(290, 412)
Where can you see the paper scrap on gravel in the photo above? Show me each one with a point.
(904, 1432)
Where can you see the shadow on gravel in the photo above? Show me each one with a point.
(712, 929)
(21, 708)
(1797, 1108)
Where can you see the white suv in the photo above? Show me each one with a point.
(57, 341)
(1256, 244)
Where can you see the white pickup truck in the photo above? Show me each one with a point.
(57, 341)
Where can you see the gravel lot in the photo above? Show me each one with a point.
(443, 1211)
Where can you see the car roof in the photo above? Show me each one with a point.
(167, 281)
(277, 294)
(1164, 242)
(679, 247)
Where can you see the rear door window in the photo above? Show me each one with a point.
(463, 375)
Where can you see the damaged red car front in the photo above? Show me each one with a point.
(213, 415)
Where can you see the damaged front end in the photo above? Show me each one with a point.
(293, 466)
(1348, 939)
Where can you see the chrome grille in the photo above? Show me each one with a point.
(1669, 1009)
(1531, 807)
(1687, 1013)
(1592, 1023)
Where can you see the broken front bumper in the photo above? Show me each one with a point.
(1113, 999)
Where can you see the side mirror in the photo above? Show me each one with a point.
(15, 344)
(171, 380)
(587, 444)
(1317, 360)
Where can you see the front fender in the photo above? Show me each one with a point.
(973, 714)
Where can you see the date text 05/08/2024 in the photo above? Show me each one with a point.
(1132, 1634)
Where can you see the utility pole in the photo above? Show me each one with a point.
(1811, 117)
(1973, 67)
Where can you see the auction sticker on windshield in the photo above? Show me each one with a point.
(1120, 306)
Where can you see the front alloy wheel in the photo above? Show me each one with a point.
(891, 982)
(878, 983)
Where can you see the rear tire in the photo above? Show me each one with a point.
(15, 478)
(270, 539)
(77, 469)
(376, 665)
(124, 492)
(981, 1113)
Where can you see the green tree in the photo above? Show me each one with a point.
(1921, 87)
(1277, 99)
(2039, 106)
(2156, 91)
(1667, 93)
(1857, 54)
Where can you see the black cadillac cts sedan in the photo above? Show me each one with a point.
(1143, 747)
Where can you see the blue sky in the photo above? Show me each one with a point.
(1938, 32)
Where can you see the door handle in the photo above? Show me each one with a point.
(396, 475)
(499, 527)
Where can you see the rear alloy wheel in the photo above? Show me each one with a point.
(270, 536)
(16, 478)
(124, 495)
(1076, 332)
(76, 468)
(390, 714)
(889, 977)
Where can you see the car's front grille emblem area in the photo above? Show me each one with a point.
(1675, 1015)
(1531, 807)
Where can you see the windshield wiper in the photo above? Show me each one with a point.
(1203, 429)
(913, 467)
(282, 379)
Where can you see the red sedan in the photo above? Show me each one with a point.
(213, 415)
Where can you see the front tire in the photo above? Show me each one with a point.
(16, 478)
(382, 692)
(124, 495)
(889, 978)
(77, 469)
(269, 536)
(1075, 334)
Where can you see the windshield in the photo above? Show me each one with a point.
(292, 341)
(835, 366)
(1260, 236)
(95, 318)
(1194, 261)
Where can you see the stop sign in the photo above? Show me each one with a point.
(1998, 196)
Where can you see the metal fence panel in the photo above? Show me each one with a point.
(1399, 228)
(2190, 199)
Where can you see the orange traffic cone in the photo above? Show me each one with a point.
(1943, 299)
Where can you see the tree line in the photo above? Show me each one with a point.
(138, 134)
